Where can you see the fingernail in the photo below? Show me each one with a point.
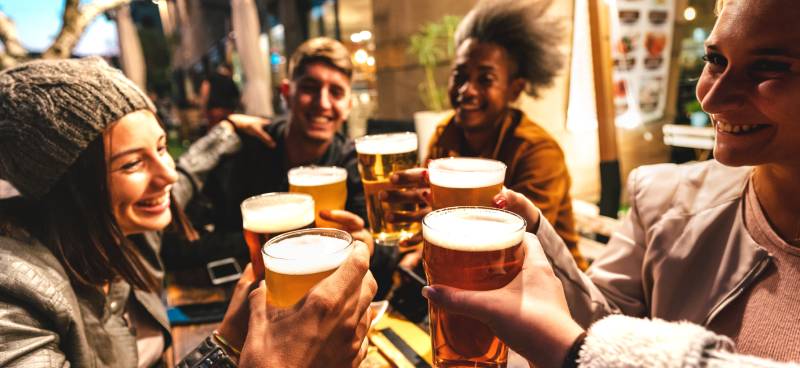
(425, 175)
(500, 203)
(428, 292)
(426, 194)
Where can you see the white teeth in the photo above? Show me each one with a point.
(729, 128)
(153, 202)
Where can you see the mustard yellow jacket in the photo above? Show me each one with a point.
(535, 167)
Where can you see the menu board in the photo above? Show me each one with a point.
(641, 42)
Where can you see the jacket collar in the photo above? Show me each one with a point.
(453, 143)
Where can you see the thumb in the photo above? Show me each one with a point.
(465, 302)
(265, 138)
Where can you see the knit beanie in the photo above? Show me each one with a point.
(50, 110)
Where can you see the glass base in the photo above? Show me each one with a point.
(467, 364)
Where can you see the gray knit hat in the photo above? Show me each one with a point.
(50, 110)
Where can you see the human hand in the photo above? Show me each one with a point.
(530, 314)
(234, 325)
(327, 328)
(510, 200)
(350, 222)
(253, 126)
(409, 186)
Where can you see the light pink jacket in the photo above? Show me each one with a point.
(683, 252)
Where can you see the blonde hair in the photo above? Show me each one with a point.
(326, 50)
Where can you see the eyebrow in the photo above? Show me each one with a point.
(766, 51)
(133, 150)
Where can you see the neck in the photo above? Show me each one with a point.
(480, 140)
(300, 150)
(776, 188)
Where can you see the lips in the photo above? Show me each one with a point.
(154, 204)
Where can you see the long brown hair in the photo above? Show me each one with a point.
(74, 220)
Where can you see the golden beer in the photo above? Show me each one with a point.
(378, 157)
(327, 184)
(271, 214)
(471, 248)
(464, 181)
(298, 260)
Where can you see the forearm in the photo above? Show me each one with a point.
(201, 157)
(586, 302)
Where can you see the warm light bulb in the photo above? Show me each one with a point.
(361, 56)
(689, 13)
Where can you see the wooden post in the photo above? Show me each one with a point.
(600, 36)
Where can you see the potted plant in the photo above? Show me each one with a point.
(432, 46)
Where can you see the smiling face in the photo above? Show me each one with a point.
(319, 101)
(751, 83)
(482, 84)
(140, 173)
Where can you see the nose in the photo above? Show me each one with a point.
(723, 93)
(164, 172)
(467, 90)
(324, 99)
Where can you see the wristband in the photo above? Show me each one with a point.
(571, 360)
(209, 354)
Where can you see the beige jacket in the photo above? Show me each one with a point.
(683, 252)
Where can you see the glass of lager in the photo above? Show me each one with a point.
(465, 181)
(327, 184)
(378, 157)
(472, 248)
(267, 215)
(298, 260)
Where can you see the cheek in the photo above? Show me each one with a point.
(124, 191)
(778, 99)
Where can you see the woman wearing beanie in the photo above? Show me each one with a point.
(79, 248)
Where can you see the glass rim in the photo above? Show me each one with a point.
(251, 199)
(344, 235)
(500, 166)
(311, 167)
(439, 212)
(383, 135)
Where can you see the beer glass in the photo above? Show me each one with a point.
(465, 181)
(327, 184)
(472, 248)
(378, 157)
(298, 260)
(267, 215)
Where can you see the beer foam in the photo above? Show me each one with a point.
(306, 254)
(464, 172)
(314, 176)
(277, 218)
(473, 229)
(387, 144)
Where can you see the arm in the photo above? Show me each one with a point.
(201, 158)
(26, 341)
(618, 340)
(543, 178)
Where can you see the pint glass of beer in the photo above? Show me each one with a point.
(378, 157)
(472, 248)
(327, 184)
(267, 215)
(298, 260)
(465, 181)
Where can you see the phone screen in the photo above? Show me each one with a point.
(222, 270)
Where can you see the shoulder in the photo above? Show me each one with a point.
(34, 278)
(533, 135)
(687, 188)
